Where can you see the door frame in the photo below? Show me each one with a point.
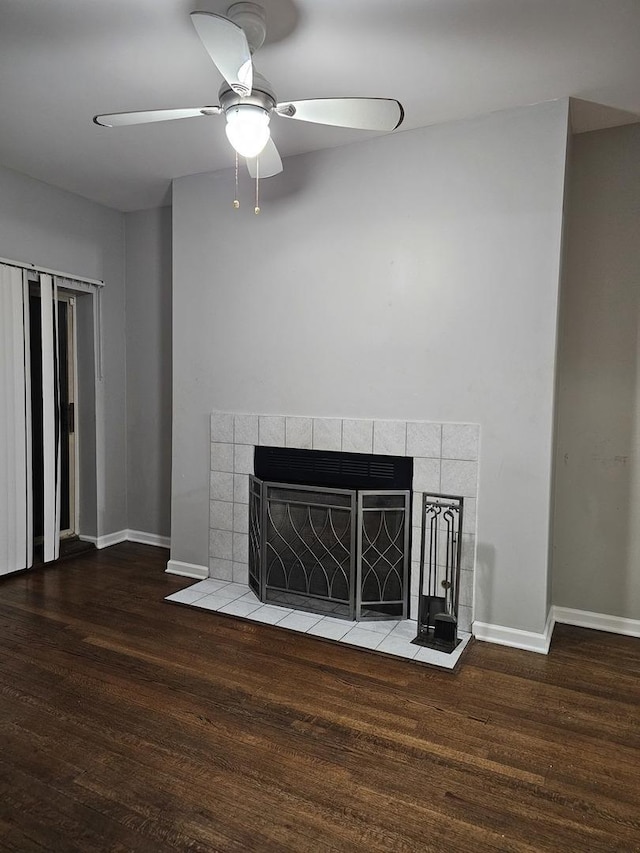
(72, 385)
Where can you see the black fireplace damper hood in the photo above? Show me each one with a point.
(334, 469)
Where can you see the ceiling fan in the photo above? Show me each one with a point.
(248, 100)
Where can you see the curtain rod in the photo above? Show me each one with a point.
(28, 266)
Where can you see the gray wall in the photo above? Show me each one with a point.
(148, 312)
(597, 514)
(55, 229)
(413, 276)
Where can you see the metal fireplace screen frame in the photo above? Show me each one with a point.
(342, 552)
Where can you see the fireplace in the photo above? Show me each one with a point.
(330, 532)
(445, 458)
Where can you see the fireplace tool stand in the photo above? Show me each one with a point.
(439, 583)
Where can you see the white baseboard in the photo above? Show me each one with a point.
(148, 538)
(597, 621)
(515, 637)
(187, 570)
(108, 540)
(563, 615)
(128, 536)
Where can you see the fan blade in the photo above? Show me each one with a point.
(267, 163)
(227, 45)
(361, 113)
(148, 116)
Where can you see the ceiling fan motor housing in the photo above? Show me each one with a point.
(262, 94)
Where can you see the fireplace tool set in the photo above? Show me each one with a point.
(439, 582)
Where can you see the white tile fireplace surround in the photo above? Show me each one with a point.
(445, 461)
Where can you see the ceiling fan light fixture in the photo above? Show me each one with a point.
(247, 129)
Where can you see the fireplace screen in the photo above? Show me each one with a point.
(338, 552)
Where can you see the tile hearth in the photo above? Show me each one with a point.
(391, 637)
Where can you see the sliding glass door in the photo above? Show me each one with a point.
(64, 400)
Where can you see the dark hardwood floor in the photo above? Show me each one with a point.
(131, 724)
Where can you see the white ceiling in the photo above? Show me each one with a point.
(62, 61)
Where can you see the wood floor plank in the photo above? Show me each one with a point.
(129, 723)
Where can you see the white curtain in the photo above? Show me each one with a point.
(16, 497)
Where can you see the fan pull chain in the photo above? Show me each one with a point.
(257, 207)
(236, 202)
